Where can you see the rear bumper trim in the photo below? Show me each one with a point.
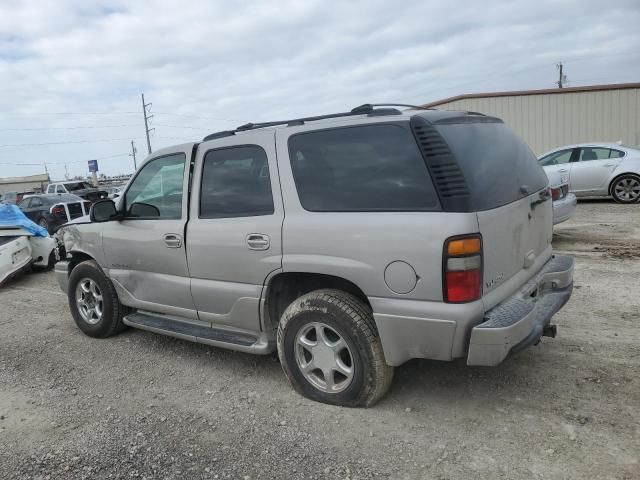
(62, 275)
(519, 321)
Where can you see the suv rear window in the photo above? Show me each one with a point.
(364, 168)
(498, 167)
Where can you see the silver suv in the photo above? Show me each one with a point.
(348, 243)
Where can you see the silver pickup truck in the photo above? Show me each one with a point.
(348, 243)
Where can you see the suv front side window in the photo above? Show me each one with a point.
(51, 189)
(60, 189)
(156, 192)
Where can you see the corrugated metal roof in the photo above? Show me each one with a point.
(518, 93)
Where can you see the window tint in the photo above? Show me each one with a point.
(159, 184)
(60, 189)
(51, 189)
(498, 167)
(236, 183)
(587, 154)
(556, 158)
(35, 202)
(367, 168)
(616, 154)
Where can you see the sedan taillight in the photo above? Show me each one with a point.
(58, 210)
(462, 269)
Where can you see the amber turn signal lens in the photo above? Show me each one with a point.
(464, 246)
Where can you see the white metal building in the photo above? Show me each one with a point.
(546, 119)
(32, 183)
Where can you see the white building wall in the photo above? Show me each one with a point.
(546, 121)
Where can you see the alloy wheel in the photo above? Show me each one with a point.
(89, 301)
(627, 189)
(324, 358)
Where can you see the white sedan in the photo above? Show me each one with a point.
(598, 169)
(564, 203)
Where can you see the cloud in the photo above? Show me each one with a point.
(214, 65)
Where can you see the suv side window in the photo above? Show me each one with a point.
(60, 189)
(51, 189)
(156, 192)
(365, 168)
(236, 183)
(35, 202)
(557, 158)
(25, 203)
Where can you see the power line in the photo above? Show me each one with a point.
(77, 113)
(67, 128)
(202, 118)
(64, 143)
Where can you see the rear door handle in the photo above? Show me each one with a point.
(258, 241)
(563, 170)
(172, 240)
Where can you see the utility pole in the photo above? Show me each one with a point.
(146, 121)
(133, 154)
(561, 78)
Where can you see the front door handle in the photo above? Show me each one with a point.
(258, 241)
(563, 170)
(172, 240)
(608, 164)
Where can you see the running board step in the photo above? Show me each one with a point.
(188, 331)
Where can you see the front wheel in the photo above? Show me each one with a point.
(93, 301)
(626, 189)
(330, 350)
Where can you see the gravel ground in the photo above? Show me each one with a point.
(140, 405)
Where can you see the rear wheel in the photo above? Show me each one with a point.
(93, 301)
(330, 350)
(626, 189)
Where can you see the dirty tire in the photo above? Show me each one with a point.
(624, 189)
(113, 310)
(353, 321)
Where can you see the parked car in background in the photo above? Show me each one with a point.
(598, 169)
(23, 245)
(114, 192)
(11, 198)
(403, 238)
(564, 202)
(50, 211)
(79, 188)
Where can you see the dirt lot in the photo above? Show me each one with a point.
(144, 406)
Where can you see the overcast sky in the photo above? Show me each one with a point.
(71, 71)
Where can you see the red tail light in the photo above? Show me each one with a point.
(462, 269)
(58, 210)
(556, 194)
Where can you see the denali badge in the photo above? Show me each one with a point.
(494, 281)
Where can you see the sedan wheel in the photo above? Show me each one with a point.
(626, 189)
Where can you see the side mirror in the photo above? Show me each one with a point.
(143, 210)
(103, 211)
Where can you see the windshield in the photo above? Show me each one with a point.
(76, 186)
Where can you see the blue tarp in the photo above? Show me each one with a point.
(12, 216)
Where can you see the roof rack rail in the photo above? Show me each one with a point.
(365, 109)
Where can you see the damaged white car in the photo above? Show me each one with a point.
(23, 244)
